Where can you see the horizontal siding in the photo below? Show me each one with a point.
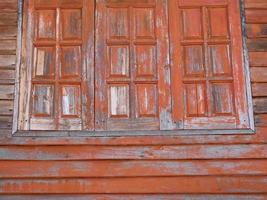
(136, 197)
(210, 167)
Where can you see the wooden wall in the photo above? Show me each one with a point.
(182, 167)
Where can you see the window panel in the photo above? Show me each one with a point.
(119, 57)
(144, 23)
(43, 100)
(71, 61)
(145, 61)
(146, 100)
(118, 22)
(192, 29)
(119, 101)
(70, 101)
(220, 59)
(71, 24)
(218, 30)
(44, 62)
(194, 60)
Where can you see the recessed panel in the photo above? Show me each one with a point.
(118, 23)
(194, 60)
(119, 101)
(147, 99)
(46, 24)
(119, 61)
(146, 61)
(70, 61)
(70, 105)
(44, 62)
(45, 3)
(195, 95)
(218, 23)
(192, 23)
(222, 98)
(144, 23)
(220, 59)
(43, 100)
(71, 24)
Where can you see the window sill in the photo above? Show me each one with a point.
(130, 133)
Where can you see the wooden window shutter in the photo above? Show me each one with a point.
(132, 74)
(208, 78)
(56, 87)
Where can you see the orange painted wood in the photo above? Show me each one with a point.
(258, 59)
(133, 152)
(153, 185)
(256, 16)
(138, 197)
(255, 4)
(206, 80)
(256, 30)
(97, 169)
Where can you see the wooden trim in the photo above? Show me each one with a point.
(17, 76)
(71, 139)
(16, 120)
(131, 133)
(246, 65)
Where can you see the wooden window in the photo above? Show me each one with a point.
(104, 65)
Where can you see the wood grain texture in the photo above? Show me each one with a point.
(153, 185)
(217, 166)
(136, 197)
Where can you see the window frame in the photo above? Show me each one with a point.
(31, 133)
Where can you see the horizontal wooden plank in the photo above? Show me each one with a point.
(5, 123)
(258, 59)
(6, 74)
(262, 4)
(260, 105)
(8, 6)
(6, 60)
(7, 18)
(258, 74)
(256, 45)
(257, 30)
(259, 89)
(6, 91)
(8, 32)
(243, 151)
(137, 197)
(256, 16)
(151, 185)
(85, 169)
(261, 120)
(259, 138)
(6, 107)
(8, 45)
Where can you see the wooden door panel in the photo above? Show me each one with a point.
(119, 57)
(220, 61)
(58, 55)
(209, 54)
(192, 29)
(44, 62)
(70, 61)
(118, 25)
(43, 100)
(144, 20)
(194, 60)
(218, 30)
(46, 24)
(130, 51)
(71, 24)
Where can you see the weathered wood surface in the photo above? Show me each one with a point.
(219, 167)
(143, 185)
(137, 197)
